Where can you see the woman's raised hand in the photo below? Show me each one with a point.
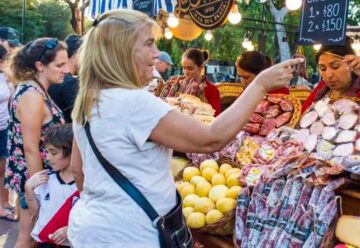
(353, 62)
(277, 76)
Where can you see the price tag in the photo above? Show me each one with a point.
(323, 21)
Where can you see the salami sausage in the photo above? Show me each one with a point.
(308, 119)
(346, 136)
(267, 127)
(286, 106)
(256, 118)
(329, 133)
(347, 121)
(317, 128)
(283, 119)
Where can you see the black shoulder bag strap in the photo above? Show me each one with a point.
(124, 183)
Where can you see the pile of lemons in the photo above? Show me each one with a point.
(209, 192)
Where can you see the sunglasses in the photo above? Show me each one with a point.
(50, 45)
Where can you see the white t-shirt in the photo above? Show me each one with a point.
(105, 216)
(4, 99)
(56, 198)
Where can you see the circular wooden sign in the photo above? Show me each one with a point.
(209, 14)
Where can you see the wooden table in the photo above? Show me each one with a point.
(350, 199)
(210, 241)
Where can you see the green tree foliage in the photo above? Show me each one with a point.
(56, 16)
(49, 18)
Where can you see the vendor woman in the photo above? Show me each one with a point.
(340, 71)
(251, 63)
(193, 82)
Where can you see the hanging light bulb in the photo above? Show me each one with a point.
(172, 21)
(168, 34)
(234, 16)
(246, 43)
(317, 47)
(250, 47)
(208, 35)
(293, 4)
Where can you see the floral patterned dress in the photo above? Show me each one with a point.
(16, 173)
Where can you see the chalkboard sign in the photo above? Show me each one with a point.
(323, 21)
(145, 6)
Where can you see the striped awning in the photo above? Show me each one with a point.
(97, 7)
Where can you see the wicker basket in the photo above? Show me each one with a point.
(299, 93)
(297, 109)
(229, 92)
(225, 225)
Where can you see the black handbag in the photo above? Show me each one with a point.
(173, 231)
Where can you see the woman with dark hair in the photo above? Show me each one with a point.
(251, 63)
(193, 82)
(34, 68)
(340, 71)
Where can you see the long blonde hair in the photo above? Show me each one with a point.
(107, 56)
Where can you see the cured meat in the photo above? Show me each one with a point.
(302, 229)
(274, 99)
(347, 121)
(267, 127)
(253, 128)
(357, 128)
(283, 119)
(301, 135)
(317, 128)
(310, 143)
(256, 118)
(315, 195)
(286, 106)
(262, 107)
(344, 106)
(344, 150)
(346, 136)
(324, 198)
(272, 111)
(329, 133)
(321, 107)
(308, 119)
(324, 149)
(305, 197)
(241, 211)
(326, 217)
(275, 192)
(357, 145)
(328, 117)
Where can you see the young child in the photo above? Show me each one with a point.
(50, 196)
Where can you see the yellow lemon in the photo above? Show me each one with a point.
(182, 185)
(187, 190)
(218, 179)
(208, 173)
(232, 180)
(204, 205)
(203, 188)
(196, 179)
(213, 216)
(189, 200)
(189, 172)
(224, 168)
(218, 192)
(187, 211)
(234, 191)
(232, 171)
(225, 205)
(209, 163)
(196, 220)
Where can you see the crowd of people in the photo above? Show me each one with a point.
(100, 84)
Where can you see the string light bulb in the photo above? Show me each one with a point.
(168, 34)
(172, 21)
(356, 45)
(208, 35)
(317, 47)
(293, 4)
(234, 16)
(247, 43)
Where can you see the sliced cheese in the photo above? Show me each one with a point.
(348, 230)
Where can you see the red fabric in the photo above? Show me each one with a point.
(60, 219)
(284, 91)
(212, 95)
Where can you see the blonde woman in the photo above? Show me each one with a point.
(34, 67)
(136, 131)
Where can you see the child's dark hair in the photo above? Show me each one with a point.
(61, 137)
(253, 61)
